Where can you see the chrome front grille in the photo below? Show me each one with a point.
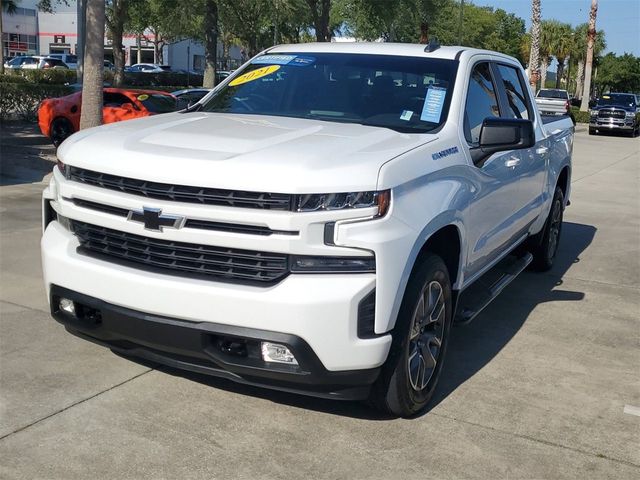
(183, 193)
(611, 114)
(178, 258)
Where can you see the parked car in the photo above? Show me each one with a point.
(33, 62)
(70, 61)
(316, 224)
(108, 65)
(615, 112)
(59, 118)
(189, 96)
(553, 102)
(148, 68)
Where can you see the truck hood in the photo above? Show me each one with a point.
(248, 152)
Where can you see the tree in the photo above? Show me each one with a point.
(591, 36)
(320, 11)
(579, 53)
(210, 42)
(92, 85)
(160, 22)
(10, 7)
(248, 19)
(548, 32)
(561, 47)
(534, 56)
(618, 73)
(117, 13)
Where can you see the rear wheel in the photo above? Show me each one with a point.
(61, 128)
(592, 131)
(544, 245)
(409, 377)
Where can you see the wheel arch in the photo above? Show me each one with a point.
(444, 236)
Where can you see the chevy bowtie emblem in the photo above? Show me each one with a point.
(153, 219)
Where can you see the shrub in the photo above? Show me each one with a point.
(23, 98)
(578, 116)
(47, 76)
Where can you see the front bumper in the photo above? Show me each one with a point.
(319, 309)
(615, 125)
(203, 347)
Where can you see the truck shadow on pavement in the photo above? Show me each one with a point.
(26, 156)
(471, 347)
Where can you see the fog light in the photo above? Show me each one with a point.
(275, 352)
(67, 306)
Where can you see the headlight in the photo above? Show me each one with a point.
(307, 264)
(341, 201)
(64, 169)
(593, 113)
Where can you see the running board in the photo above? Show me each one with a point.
(475, 298)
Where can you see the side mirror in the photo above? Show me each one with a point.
(501, 134)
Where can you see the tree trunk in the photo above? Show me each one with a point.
(1, 41)
(424, 33)
(210, 43)
(81, 11)
(139, 48)
(560, 71)
(544, 66)
(579, 78)
(591, 37)
(320, 10)
(534, 54)
(91, 111)
(117, 30)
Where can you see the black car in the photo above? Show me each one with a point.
(616, 112)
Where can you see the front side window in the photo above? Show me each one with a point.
(407, 94)
(517, 102)
(482, 102)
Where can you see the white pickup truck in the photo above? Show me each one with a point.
(316, 224)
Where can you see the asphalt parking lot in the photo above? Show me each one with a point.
(544, 384)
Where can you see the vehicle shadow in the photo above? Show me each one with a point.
(472, 346)
(26, 156)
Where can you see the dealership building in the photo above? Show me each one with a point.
(29, 31)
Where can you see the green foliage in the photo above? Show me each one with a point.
(22, 99)
(578, 116)
(618, 73)
(46, 76)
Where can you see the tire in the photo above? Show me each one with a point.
(592, 131)
(544, 245)
(420, 338)
(61, 129)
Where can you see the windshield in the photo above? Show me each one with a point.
(158, 103)
(620, 99)
(562, 94)
(407, 94)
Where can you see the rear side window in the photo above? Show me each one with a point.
(157, 103)
(517, 101)
(482, 102)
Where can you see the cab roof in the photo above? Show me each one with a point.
(382, 48)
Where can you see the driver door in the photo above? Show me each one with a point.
(118, 107)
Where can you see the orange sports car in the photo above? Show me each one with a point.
(58, 118)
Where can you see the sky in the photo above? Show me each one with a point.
(620, 19)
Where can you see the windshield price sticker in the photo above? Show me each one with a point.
(433, 104)
(292, 60)
(254, 75)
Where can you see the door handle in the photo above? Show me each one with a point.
(542, 150)
(512, 162)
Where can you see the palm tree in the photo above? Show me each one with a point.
(10, 7)
(561, 47)
(591, 37)
(579, 53)
(534, 55)
(92, 85)
(548, 29)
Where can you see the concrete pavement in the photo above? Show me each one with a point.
(535, 387)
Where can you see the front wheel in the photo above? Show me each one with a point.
(61, 128)
(409, 377)
(544, 245)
